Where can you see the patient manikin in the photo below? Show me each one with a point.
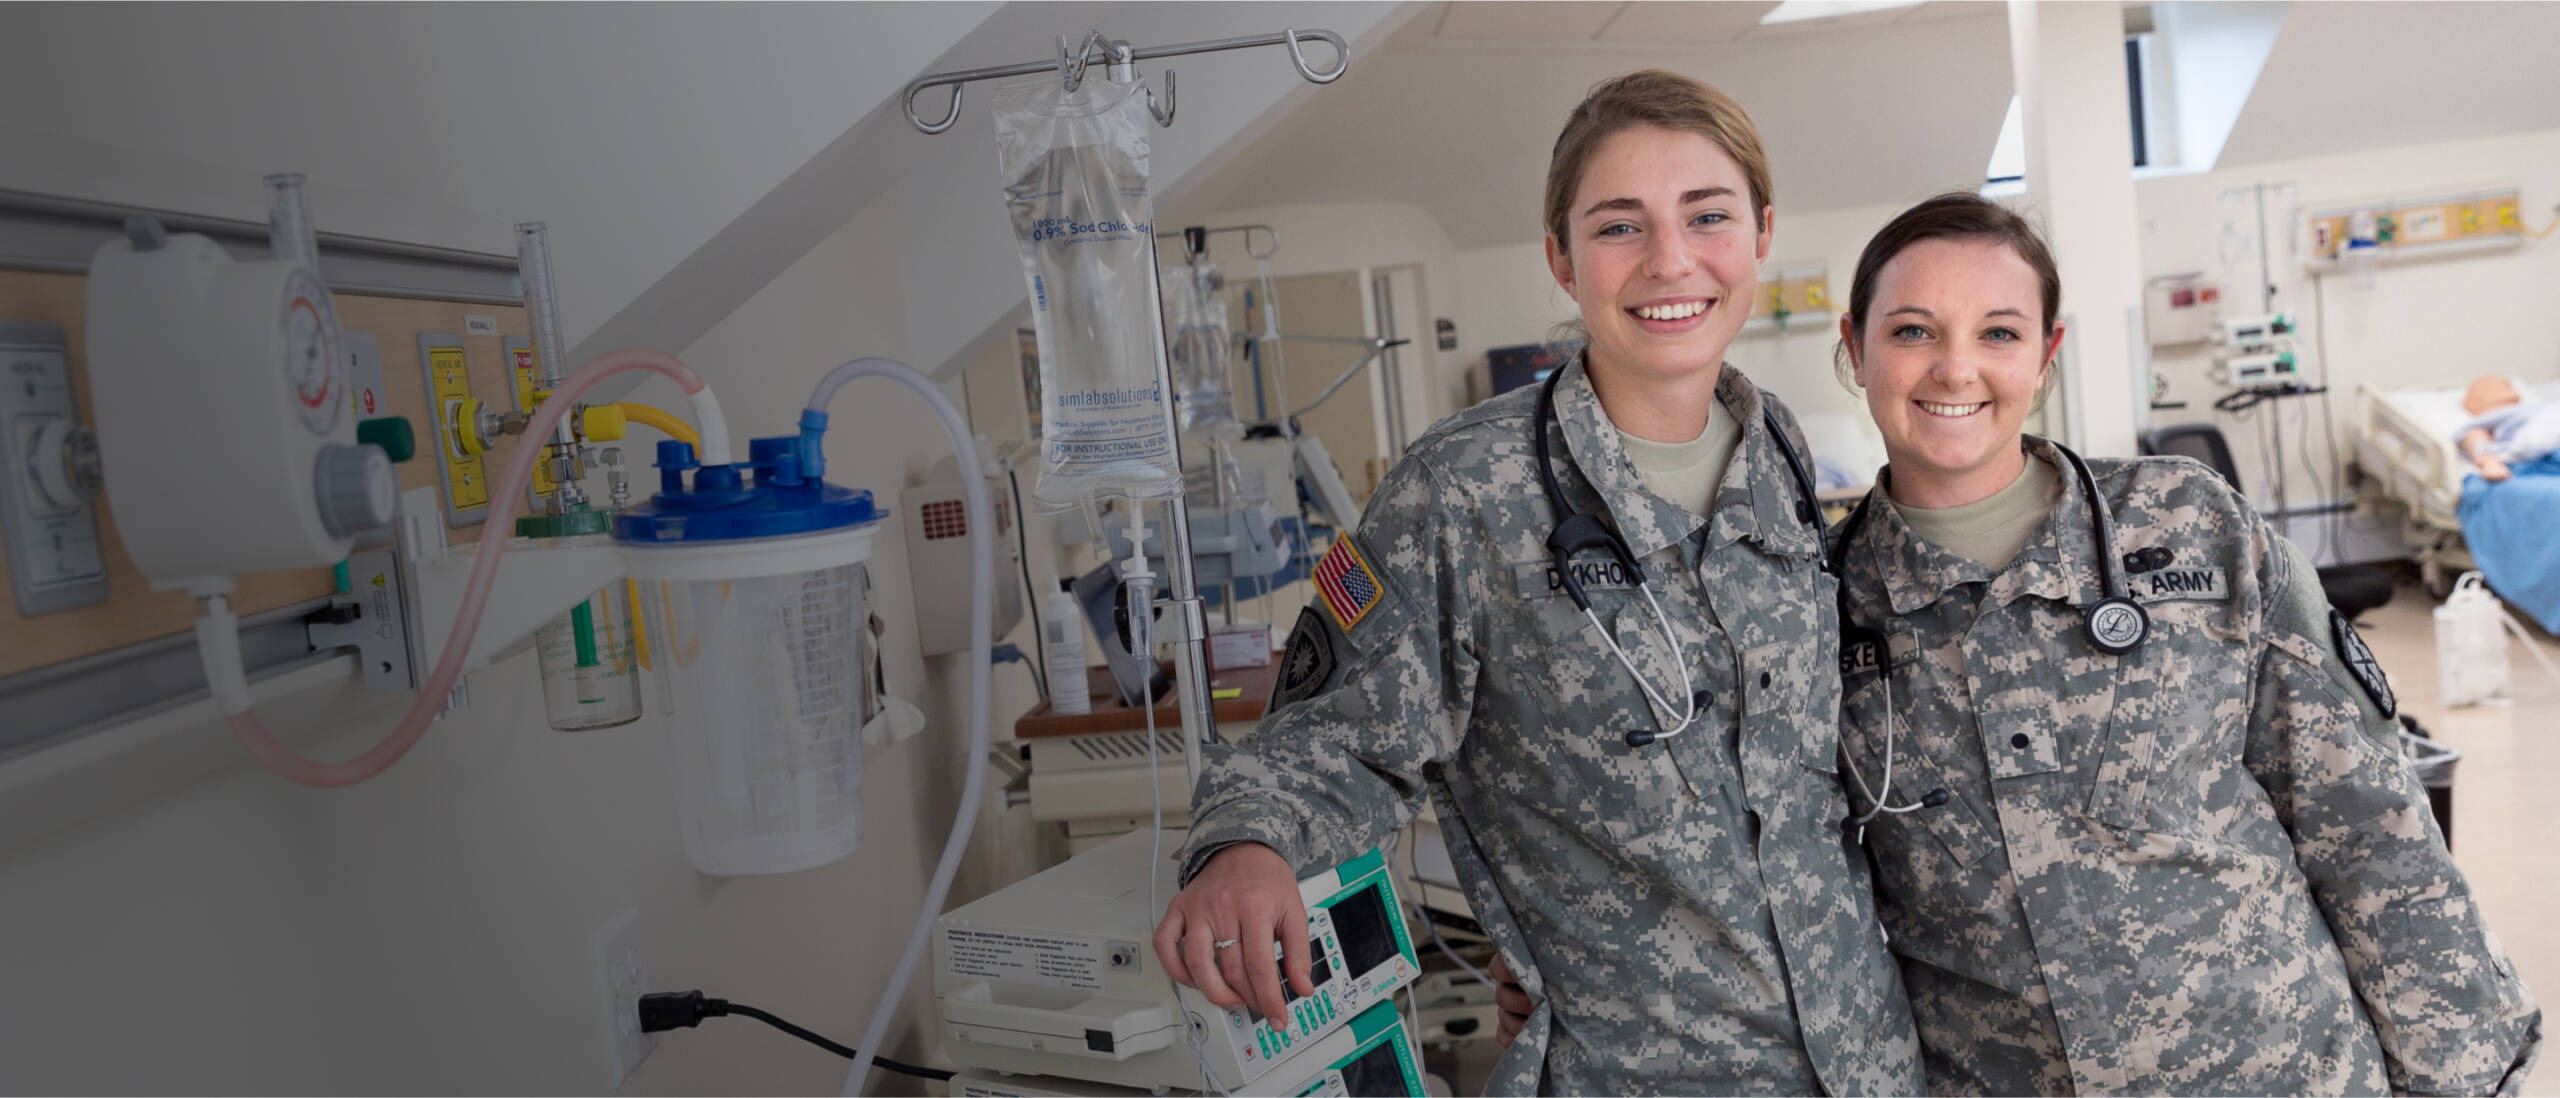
(2505, 429)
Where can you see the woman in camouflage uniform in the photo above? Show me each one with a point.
(2199, 866)
(1683, 910)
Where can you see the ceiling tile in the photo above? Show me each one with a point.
(1675, 22)
(1535, 21)
(1956, 9)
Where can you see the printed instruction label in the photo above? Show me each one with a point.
(479, 325)
(1026, 958)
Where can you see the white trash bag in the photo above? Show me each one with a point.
(2471, 645)
(1075, 172)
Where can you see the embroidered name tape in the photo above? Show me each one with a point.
(1348, 587)
(1541, 580)
(2180, 583)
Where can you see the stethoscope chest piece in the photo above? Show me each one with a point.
(2117, 625)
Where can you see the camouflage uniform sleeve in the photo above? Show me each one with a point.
(1361, 710)
(2445, 1002)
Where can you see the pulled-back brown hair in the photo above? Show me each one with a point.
(1955, 215)
(1653, 97)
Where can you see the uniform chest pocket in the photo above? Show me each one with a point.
(2175, 726)
(1927, 842)
(1786, 685)
(1566, 756)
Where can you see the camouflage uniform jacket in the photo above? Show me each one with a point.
(1685, 913)
(2202, 867)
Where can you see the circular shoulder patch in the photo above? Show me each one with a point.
(1307, 665)
(2366, 670)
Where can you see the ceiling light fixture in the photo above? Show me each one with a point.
(1793, 11)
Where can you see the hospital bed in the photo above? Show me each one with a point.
(2404, 449)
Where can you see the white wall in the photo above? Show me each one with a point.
(2431, 323)
(429, 930)
(2210, 56)
(639, 132)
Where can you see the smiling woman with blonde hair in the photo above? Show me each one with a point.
(1587, 619)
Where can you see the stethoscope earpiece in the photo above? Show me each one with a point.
(1638, 737)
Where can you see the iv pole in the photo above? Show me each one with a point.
(1119, 60)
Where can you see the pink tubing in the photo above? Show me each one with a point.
(252, 732)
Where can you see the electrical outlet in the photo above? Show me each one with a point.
(621, 977)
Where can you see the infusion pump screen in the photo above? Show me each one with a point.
(1368, 939)
(1376, 1073)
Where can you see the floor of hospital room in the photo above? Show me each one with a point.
(2501, 788)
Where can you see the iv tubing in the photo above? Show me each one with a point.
(666, 422)
(218, 633)
(982, 580)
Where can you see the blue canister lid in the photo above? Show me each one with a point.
(721, 503)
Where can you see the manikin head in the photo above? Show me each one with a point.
(2489, 392)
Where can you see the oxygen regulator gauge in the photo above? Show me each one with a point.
(308, 348)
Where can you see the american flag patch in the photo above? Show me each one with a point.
(1349, 588)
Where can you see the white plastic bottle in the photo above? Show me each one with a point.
(1063, 622)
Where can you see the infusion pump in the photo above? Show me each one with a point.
(1373, 1057)
(1057, 976)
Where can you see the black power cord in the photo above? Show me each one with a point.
(1031, 597)
(667, 1010)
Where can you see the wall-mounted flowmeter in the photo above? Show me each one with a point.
(224, 427)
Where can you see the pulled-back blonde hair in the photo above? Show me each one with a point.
(1653, 97)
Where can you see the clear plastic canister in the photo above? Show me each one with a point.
(759, 679)
(590, 677)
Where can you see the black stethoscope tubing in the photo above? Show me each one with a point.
(2115, 624)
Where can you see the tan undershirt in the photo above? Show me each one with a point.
(1990, 531)
(1687, 473)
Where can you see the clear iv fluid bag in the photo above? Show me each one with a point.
(1202, 349)
(1075, 185)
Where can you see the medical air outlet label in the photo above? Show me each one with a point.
(1025, 958)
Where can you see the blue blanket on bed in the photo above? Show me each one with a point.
(2513, 529)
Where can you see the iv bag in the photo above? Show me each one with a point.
(1075, 183)
(1201, 346)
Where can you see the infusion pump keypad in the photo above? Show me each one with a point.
(1356, 956)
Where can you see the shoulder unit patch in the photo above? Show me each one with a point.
(1308, 664)
(1348, 587)
(2366, 670)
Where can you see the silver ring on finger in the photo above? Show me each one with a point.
(1224, 943)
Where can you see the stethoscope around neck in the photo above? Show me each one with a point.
(2115, 625)
(1575, 532)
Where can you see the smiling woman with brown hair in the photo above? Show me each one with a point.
(2134, 791)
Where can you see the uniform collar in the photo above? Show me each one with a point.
(2058, 562)
(1755, 499)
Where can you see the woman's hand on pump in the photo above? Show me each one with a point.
(1217, 934)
